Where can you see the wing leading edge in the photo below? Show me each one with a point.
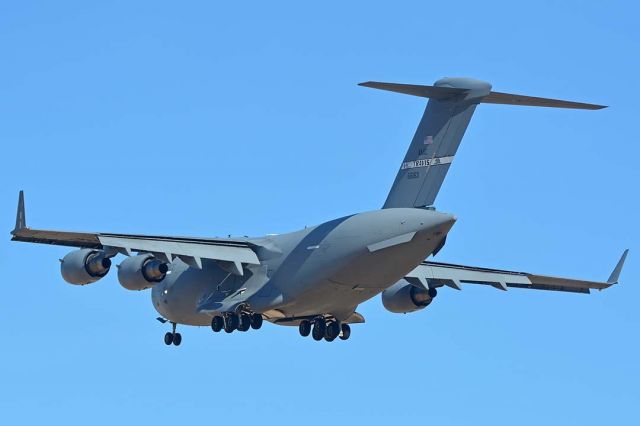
(436, 274)
(190, 250)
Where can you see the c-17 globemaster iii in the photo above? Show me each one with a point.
(315, 278)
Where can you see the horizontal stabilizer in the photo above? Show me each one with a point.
(434, 92)
(511, 99)
(438, 92)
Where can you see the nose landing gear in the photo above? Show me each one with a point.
(173, 337)
(324, 328)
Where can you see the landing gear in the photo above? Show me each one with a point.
(256, 321)
(240, 320)
(177, 339)
(217, 323)
(173, 337)
(346, 332)
(245, 322)
(332, 331)
(433, 292)
(324, 327)
(319, 328)
(304, 328)
(231, 321)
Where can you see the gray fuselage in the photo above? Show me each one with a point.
(327, 269)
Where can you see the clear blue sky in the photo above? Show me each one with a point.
(189, 118)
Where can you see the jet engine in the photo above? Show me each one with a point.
(141, 272)
(404, 297)
(84, 266)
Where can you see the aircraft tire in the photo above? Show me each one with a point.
(256, 321)
(332, 331)
(168, 338)
(230, 322)
(317, 334)
(346, 332)
(177, 339)
(319, 327)
(245, 322)
(433, 292)
(217, 323)
(304, 328)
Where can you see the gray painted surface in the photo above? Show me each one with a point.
(331, 268)
(435, 143)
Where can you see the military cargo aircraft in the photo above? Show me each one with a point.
(315, 278)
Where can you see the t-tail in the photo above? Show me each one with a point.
(452, 102)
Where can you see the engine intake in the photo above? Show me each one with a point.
(141, 272)
(404, 297)
(84, 266)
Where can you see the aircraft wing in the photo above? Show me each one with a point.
(436, 274)
(190, 250)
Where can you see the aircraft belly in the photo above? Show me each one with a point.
(329, 297)
(176, 297)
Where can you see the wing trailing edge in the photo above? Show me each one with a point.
(230, 253)
(438, 274)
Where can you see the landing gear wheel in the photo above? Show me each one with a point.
(346, 332)
(230, 322)
(319, 327)
(304, 328)
(256, 321)
(177, 339)
(245, 322)
(168, 338)
(332, 331)
(217, 323)
(433, 292)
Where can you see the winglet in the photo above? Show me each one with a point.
(21, 221)
(613, 278)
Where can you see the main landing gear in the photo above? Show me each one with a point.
(324, 328)
(232, 321)
(173, 337)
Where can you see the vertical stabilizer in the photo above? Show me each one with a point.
(434, 145)
(452, 102)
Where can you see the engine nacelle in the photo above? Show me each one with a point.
(404, 297)
(84, 266)
(141, 272)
